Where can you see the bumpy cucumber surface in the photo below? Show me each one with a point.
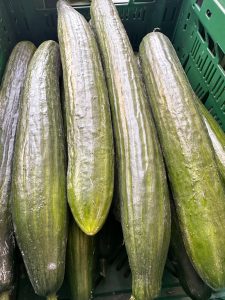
(89, 130)
(196, 185)
(145, 212)
(39, 175)
(10, 96)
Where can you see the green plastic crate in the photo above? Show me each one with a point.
(199, 40)
(196, 28)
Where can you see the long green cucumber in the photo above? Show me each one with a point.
(196, 184)
(145, 212)
(89, 130)
(39, 175)
(189, 279)
(216, 135)
(81, 261)
(10, 96)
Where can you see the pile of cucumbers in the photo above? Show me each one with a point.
(84, 120)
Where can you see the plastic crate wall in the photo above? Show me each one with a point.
(199, 40)
(7, 36)
(36, 20)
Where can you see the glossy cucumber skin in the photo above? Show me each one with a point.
(39, 204)
(189, 279)
(89, 131)
(10, 96)
(216, 135)
(81, 260)
(145, 212)
(196, 185)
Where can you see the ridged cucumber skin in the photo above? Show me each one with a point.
(189, 279)
(145, 211)
(196, 185)
(10, 96)
(81, 256)
(216, 135)
(89, 131)
(39, 204)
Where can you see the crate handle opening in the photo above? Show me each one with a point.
(208, 13)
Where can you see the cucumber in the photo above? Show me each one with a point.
(145, 212)
(216, 135)
(189, 279)
(10, 96)
(39, 204)
(189, 158)
(81, 262)
(89, 130)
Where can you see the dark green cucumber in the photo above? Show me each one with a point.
(10, 96)
(81, 256)
(39, 175)
(189, 279)
(196, 184)
(145, 212)
(89, 130)
(216, 135)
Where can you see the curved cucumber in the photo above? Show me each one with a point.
(145, 212)
(196, 184)
(10, 96)
(39, 180)
(189, 279)
(89, 130)
(216, 135)
(80, 263)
